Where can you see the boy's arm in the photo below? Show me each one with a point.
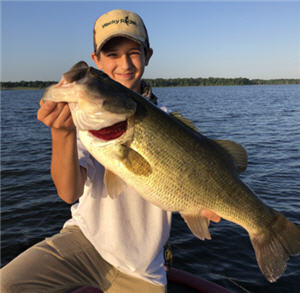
(68, 176)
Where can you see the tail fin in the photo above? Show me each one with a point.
(273, 247)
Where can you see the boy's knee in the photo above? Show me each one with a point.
(6, 284)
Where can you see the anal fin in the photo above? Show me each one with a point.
(198, 224)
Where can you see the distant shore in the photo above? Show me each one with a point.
(21, 88)
(25, 85)
(162, 82)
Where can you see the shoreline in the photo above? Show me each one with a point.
(170, 86)
(22, 88)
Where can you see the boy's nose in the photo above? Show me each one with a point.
(125, 62)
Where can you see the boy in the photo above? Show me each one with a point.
(112, 244)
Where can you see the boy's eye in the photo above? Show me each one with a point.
(116, 55)
(111, 55)
(135, 53)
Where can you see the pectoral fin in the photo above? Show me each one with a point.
(198, 224)
(114, 184)
(134, 162)
(237, 152)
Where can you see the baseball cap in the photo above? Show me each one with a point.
(119, 23)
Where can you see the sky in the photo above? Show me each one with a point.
(40, 40)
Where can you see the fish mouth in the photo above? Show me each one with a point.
(110, 132)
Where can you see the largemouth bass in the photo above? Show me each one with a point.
(169, 163)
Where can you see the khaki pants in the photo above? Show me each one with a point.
(65, 262)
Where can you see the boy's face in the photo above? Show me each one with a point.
(124, 61)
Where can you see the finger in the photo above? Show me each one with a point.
(69, 123)
(49, 113)
(56, 114)
(42, 102)
(45, 109)
(64, 119)
(211, 215)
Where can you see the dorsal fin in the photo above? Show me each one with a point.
(237, 152)
(184, 120)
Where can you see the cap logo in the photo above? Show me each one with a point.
(125, 20)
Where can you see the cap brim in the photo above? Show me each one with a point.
(122, 34)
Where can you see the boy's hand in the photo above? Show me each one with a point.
(211, 215)
(56, 115)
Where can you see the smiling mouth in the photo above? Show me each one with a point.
(125, 75)
(111, 132)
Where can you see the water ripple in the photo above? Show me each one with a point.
(264, 119)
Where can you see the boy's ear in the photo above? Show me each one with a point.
(96, 60)
(148, 56)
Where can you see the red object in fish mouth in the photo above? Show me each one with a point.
(110, 132)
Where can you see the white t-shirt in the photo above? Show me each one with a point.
(128, 232)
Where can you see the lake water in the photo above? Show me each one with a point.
(264, 119)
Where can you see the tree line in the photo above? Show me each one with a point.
(26, 84)
(214, 81)
(166, 82)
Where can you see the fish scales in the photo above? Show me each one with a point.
(179, 176)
